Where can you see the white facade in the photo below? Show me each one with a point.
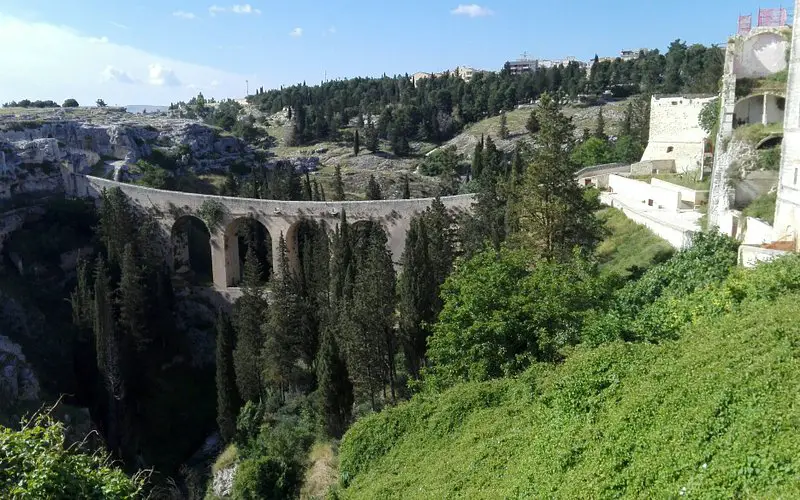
(760, 54)
(675, 131)
(787, 210)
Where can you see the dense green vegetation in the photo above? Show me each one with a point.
(628, 248)
(706, 413)
(35, 462)
(762, 208)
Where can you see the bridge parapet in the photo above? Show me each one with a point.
(278, 217)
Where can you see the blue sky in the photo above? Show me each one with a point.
(155, 52)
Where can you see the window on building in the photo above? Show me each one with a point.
(670, 149)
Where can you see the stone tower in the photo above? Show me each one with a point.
(787, 209)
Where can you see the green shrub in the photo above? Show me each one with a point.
(34, 463)
(762, 208)
(709, 415)
(266, 478)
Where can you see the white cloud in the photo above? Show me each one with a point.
(471, 10)
(332, 30)
(297, 32)
(87, 67)
(119, 25)
(112, 74)
(245, 9)
(161, 76)
(215, 9)
(184, 15)
(214, 83)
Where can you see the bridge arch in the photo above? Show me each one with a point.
(240, 234)
(191, 249)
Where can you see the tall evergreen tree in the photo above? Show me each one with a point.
(532, 125)
(106, 341)
(416, 288)
(133, 301)
(228, 401)
(406, 188)
(554, 216)
(503, 126)
(338, 184)
(335, 388)
(600, 126)
(249, 312)
(356, 143)
(371, 140)
(477, 160)
(373, 189)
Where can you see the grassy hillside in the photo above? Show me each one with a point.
(628, 246)
(712, 414)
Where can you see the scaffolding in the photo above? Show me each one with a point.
(772, 17)
(745, 24)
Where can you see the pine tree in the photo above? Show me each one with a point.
(118, 224)
(335, 388)
(81, 299)
(554, 216)
(406, 188)
(249, 312)
(503, 126)
(308, 194)
(338, 184)
(627, 123)
(228, 401)
(356, 144)
(373, 189)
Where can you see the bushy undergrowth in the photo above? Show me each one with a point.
(691, 394)
(629, 248)
(35, 463)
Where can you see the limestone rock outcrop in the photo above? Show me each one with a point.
(36, 154)
(17, 379)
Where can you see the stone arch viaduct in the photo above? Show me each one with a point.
(278, 217)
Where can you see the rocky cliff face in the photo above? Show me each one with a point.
(35, 154)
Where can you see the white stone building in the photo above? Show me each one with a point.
(675, 132)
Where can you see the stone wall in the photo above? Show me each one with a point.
(787, 210)
(760, 53)
(278, 217)
(675, 131)
(676, 236)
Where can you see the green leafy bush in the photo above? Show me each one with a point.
(34, 463)
(501, 313)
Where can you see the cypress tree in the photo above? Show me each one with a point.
(416, 289)
(106, 345)
(133, 301)
(249, 312)
(356, 144)
(600, 126)
(406, 188)
(228, 401)
(335, 388)
(532, 125)
(308, 194)
(371, 140)
(373, 189)
(338, 184)
(317, 194)
(477, 160)
(503, 125)
(231, 186)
